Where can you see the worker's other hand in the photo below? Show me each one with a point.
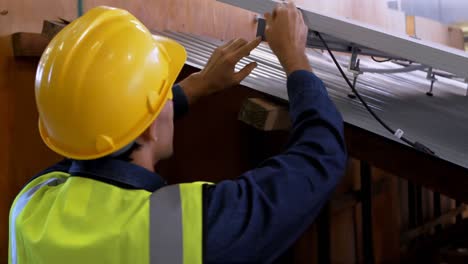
(286, 34)
(219, 73)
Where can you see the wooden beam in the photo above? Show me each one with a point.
(264, 115)
(340, 202)
(406, 162)
(51, 28)
(427, 248)
(446, 218)
(33, 44)
(411, 26)
(28, 44)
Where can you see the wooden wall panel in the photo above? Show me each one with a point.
(456, 37)
(373, 12)
(203, 17)
(336, 8)
(5, 188)
(410, 26)
(28, 15)
(23, 153)
(5, 178)
(434, 31)
(376, 12)
(386, 219)
(208, 17)
(343, 237)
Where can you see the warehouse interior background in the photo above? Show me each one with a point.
(407, 221)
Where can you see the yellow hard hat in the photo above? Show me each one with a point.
(102, 81)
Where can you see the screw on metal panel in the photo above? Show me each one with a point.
(4, 12)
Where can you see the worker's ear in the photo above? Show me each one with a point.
(150, 135)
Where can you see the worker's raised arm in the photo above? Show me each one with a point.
(257, 217)
(219, 74)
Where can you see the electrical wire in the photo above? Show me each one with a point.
(415, 145)
(380, 61)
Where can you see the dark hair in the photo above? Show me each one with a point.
(127, 155)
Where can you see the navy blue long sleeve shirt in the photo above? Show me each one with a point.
(256, 217)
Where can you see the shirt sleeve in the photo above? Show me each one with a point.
(181, 105)
(255, 218)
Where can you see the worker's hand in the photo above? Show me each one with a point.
(219, 73)
(286, 34)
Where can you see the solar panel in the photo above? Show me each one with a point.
(347, 32)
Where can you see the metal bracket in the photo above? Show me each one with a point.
(261, 26)
(354, 61)
(354, 68)
(431, 77)
(466, 81)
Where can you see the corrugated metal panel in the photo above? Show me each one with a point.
(440, 122)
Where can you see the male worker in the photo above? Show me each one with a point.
(103, 90)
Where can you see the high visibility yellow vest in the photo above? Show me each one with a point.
(58, 218)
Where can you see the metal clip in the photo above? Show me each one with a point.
(354, 62)
(431, 77)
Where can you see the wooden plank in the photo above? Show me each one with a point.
(434, 31)
(51, 28)
(24, 154)
(427, 247)
(446, 218)
(456, 38)
(28, 44)
(264, 115)
(348, 200)
(344, 236)
(399, 45)
(375, 12)
(27, 16)
(410, 26)
(202, 17)
(6, 180)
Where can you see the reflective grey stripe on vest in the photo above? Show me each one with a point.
(19, 206)
(166, 230)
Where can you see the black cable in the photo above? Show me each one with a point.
(415, 145)
(380, 61)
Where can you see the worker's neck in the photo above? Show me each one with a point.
(145, 158)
